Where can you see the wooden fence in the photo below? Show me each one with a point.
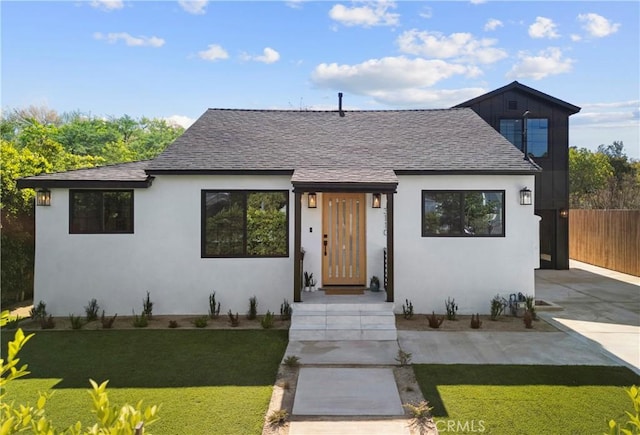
(606, 238)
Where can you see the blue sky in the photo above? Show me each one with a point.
(175, 59)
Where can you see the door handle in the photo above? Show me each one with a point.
(325, 242)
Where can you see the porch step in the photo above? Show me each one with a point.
(342, 321)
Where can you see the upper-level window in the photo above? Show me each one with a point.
(100, 211)
(537, 135)
(245, 223)
(466, 213)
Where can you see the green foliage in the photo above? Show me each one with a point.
(147, 307)
(285, 310)
(92, 310)
(421, 419)
(452, 308)
(267, 320)
(173, 324)
(107, 322)
(278, 418)
(266, 224)
(530, 305)
(214, 308)
(47, 322)
(434, 321)
(233, 320)
(374, 283)
(308, 279)
(527, 318)
(39, 311)
(292, 361)
(201, 322)
(588, 173)
(76, 321)
(404, 358)
(140, 321)
(632, 426)
(253, 308)
(407, 310)
(476, 323)
(498, 304)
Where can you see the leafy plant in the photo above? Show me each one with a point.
(267, 320)
(528, 319)
(12, 323)
(233, 320)
(452, 308)
(530, 304)
(404, 358)
(91, 310)
(285, 310)
(147, 307)
(434, 321)
(407, 310)
(476, 323)
(173, 324)
(38, 312)
(140, 321)
(253, 308)
(47, 322)
(292, 361)
(421, 420)
(201, 322)
(107, 322)
(278, 418)
(632, 426)
(498, 304)
(374, 283)
(214, 308)
(308, 279)
(76, 321)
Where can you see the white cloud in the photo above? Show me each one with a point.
(426, 98)
(597, 25)
(543, 28)
(426, 12)
(372, 14)
(575, 38)
(294, 4)
(132, 41)
(213, 53)
(196, 7)
(492, 24)
(180, 120)
(545, 63)
(107, 5)
(269, 55)
(477, 2)
(462, 46)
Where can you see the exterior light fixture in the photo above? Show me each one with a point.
(312, 200)
(564, 213)
(376, 200)
(525, 196)
(43, 197)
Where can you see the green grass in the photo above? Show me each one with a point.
(517, 399)
(207, 381)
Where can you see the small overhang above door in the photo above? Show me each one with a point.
(344, 180)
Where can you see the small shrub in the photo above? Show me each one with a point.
(140, 321)
(201, 322)
(292, 361)
(476, 323)
(452, 308)
(434, 321)
(285, 311)
(214, 308)
(233, 320)
(253, 308)
(107, 322)
(12, 323)
(76, 321)
(38, 312)
(47, 322)
(530, 304)
(173, 324)
(278, 418)
(407, 310)
(267, 320)
(91, 310)
(528, 319)
(147, 307)
(498, 305)
(404, 358)
(421, 420)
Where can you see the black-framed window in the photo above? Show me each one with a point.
(240, 223)
(100, 211)
(463, 213)
(537, 135)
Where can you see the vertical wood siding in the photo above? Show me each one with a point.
(606, 238)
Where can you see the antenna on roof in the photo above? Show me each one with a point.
(340, 104)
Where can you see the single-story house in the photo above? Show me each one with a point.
(436, 203)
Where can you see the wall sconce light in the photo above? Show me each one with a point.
(312, 200)
(525, 196)
(43, 197)
(376, 200)
(564, 213)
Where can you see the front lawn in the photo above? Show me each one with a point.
(535, 400)
(207, 381)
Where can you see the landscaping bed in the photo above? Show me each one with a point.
(419, 322)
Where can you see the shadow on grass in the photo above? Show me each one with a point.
(431, 376)
(155, 358)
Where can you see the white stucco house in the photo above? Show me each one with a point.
(245, 201)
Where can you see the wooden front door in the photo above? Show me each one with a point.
(343, 239)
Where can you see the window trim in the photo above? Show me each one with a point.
(246, 192)
(462, 192)
(102, 191)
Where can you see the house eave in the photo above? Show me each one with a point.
(32, 183)
(344, 187)
(219, 171)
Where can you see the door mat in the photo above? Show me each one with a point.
(329, 291)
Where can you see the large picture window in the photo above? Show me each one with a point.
(100, 211)
(463, 213)
(537, 135)
(245, 223)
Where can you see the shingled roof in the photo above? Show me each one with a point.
(409, 141)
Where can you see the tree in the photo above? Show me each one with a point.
(588, 173)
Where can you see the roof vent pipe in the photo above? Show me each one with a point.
(340, 104)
